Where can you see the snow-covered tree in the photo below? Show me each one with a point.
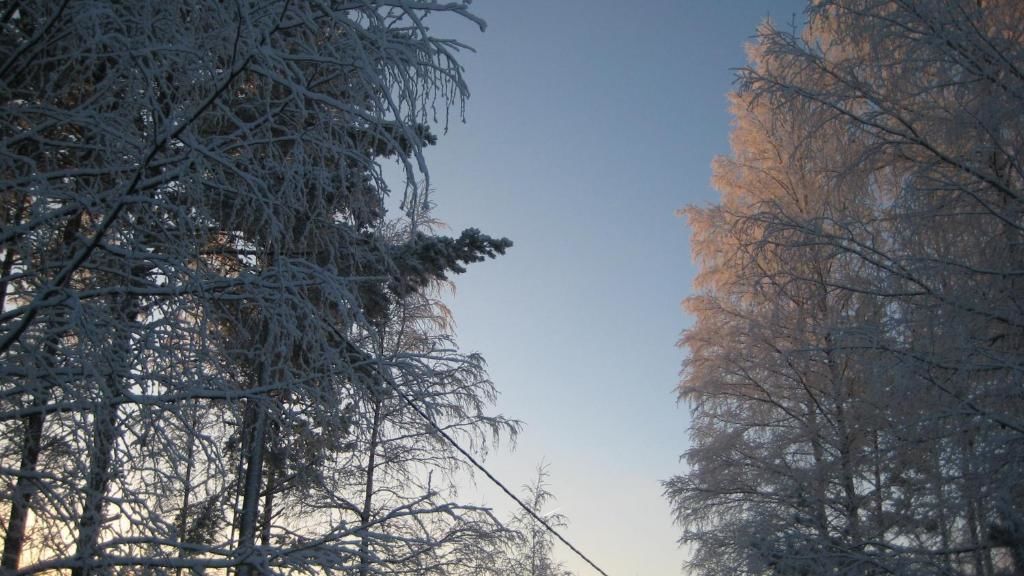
(199, 275)
(527, 549)
(855, 365)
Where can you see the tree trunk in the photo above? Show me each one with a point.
(254, 450)
(971, 498)
(9, 253)
(105, 434)
(365, 515)
(31, 444)
(273, 465)
(880, 524)
(186, 497)
(97, 479)
(24, 488)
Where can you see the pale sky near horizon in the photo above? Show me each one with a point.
(590, 123)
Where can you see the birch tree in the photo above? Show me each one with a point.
(874, 428)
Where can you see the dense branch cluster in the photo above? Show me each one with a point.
(856, 369)
(206, 309)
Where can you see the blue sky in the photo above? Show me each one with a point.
(590, 123)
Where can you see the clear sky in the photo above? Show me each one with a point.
(590, 123)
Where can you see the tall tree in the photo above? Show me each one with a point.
(197, 273)
(857, 407)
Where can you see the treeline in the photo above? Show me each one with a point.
(856, 369)
(212, 329)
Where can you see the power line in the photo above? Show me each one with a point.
(497, 482)
(385, 377)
